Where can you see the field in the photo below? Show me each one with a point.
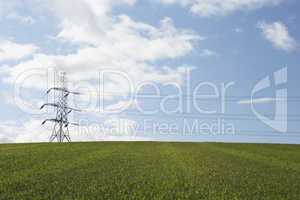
(149, 170)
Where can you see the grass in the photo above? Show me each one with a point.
(145, 170)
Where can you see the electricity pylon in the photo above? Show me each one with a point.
(61, 124)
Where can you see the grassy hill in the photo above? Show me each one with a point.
(145, 170)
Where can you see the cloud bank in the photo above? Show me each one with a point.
(207, 8)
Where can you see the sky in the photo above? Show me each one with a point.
(152, 70)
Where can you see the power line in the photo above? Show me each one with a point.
(156, 95)
(208, 116)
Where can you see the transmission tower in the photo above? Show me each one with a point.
(60, 130)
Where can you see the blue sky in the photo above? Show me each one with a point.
(154, 44)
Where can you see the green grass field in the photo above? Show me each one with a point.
(146, 170)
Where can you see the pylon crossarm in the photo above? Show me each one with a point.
(63, 90)
(49, 104)
(58, 106)
(49, 120)
(54, 120)
(66, 123)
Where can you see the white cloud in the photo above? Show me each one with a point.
(113, 129)
(21, 19)
(277, 33)
(207, 53)
(238, 30)
(6, 7)
(10, 51)
(206, 8)
(29, 131)
(126, 38)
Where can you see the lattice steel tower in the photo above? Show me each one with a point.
(60, 130)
